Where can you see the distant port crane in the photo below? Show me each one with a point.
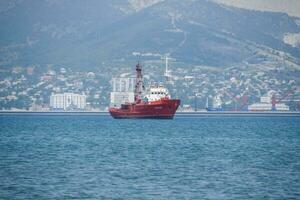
(168, 72)
(242, 100)
(245, 99)
(275, 101)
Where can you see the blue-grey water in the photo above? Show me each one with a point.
(96, 157)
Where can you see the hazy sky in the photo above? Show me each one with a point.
(292, 7)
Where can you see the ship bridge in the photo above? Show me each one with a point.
(156, 93)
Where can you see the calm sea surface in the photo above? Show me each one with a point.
(96, 157)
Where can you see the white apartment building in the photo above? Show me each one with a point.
(118, 98)
(67, 101)
(122, 91)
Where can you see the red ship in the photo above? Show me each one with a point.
(157, 104)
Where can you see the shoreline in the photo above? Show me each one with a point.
(178, 114)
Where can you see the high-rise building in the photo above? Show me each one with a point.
(118, 98)
(123, 91)
(67, 101)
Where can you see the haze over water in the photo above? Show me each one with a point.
(81, 157)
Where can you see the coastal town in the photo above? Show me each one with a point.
(32, 88)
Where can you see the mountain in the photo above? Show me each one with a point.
(42, 32)
(291, 7)
(91, 34)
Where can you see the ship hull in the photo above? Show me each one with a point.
(161, 109)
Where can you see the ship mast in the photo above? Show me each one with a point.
(138, 84)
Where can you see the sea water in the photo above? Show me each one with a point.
(97, 157)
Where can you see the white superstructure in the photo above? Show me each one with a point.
(217, 102)
(67, 101)
(156, 93)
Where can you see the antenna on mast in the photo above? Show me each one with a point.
(138, 56)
